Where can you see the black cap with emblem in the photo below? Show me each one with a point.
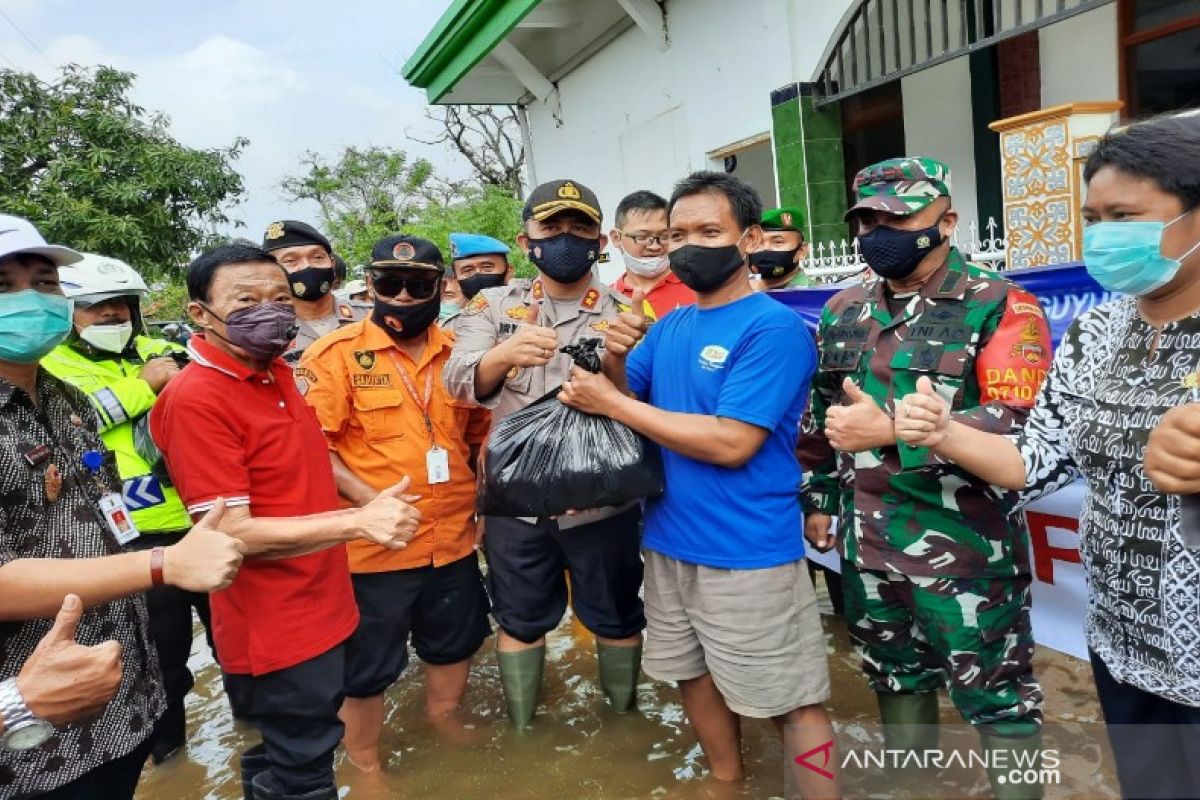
(291, 233)
(406, 251)
(555, 197)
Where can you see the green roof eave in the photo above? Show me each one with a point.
(465, 34)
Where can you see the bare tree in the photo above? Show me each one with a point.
(488, 137)
(371, 192)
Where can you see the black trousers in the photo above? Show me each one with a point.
(113, 780)
(1156, 742)
(170, 610)
(525, 575)
(833, 582)
(295, 709)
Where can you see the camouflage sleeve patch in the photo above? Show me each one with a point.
(1011, 367)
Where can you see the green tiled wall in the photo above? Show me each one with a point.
(808, 160)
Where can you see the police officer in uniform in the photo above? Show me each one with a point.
(477, 262)
(506, 355)
(121, 371)
(935, 562)
(778, 263)
(308, 258)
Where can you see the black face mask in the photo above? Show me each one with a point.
(895, 254)
(406, 322)
(704, 269)
(565, 258)
(311, 283)
(774, 263)
(479, 281)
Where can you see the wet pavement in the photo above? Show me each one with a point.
(577, 748)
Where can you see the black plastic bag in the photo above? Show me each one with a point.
(548, 458)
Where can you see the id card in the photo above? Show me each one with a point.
(437, 464)
(116, 517)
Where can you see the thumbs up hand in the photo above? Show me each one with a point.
(64, 681)
(206, 560)
(922, 418)
(628, 328)
(860, 425)
(391, 519)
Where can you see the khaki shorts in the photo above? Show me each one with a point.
(756, 631)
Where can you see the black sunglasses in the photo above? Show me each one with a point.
(390, 283)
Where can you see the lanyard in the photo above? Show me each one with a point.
(412, 391)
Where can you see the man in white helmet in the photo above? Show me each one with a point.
(109, 358)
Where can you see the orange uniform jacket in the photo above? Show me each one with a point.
(371, 419)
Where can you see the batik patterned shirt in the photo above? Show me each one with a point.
(35, 523)
(1109, 387)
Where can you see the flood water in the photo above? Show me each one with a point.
(577, 747)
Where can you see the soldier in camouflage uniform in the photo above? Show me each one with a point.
(935, 563)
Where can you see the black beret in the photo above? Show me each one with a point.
(291, 233)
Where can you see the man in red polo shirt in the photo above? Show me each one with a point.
(641, 228)
(234, 425)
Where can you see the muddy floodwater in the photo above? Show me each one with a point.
(577, 748)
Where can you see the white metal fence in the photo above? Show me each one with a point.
(829, 262)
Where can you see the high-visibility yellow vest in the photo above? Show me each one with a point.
(122, 401)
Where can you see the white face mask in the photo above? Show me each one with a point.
(109, 338)
(646, 267)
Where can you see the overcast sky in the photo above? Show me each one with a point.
(290, 75)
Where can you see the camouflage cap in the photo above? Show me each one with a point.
(900, 186)
(788, 218)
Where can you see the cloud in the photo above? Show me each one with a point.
(286, 95)
(26, 10)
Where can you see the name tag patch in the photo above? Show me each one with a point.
(370, 381)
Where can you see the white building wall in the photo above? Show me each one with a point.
(810, 24)
(937, 124)
(633, 117)
(1079, 58)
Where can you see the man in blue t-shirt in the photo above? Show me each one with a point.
(720, 386)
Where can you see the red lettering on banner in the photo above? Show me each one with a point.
(1045, 554)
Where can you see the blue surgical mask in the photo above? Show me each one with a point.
(1127, 257)
(447, 310)
(32, 323)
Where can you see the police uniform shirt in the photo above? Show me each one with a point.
(344, 313)
(495, 315)
(450, 324)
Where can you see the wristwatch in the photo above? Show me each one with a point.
(22, 730)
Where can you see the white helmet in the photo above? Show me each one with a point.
(94, 279)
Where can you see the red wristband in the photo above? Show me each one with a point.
(157, 557)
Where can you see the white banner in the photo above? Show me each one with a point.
(1059, 592)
